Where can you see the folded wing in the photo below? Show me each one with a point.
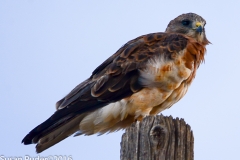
(115, 79)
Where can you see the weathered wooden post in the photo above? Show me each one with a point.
(158, 138)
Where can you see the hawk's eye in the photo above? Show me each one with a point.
(186, 22)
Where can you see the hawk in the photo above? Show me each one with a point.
(144, 77)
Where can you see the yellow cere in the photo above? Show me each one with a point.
(198, 24)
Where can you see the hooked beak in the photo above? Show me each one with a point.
(199, 28)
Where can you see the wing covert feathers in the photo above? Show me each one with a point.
(115, 79)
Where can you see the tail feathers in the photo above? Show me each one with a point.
(59, 134)
(57, 138)
(44, 128)
(54, 133)
(61, 124)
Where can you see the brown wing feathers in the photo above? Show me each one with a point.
(113, 80)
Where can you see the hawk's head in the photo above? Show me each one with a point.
(191, 25)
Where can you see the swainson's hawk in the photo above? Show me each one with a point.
(144, 77)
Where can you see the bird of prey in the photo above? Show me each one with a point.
(144, 77)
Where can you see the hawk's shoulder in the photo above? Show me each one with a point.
(131, 55)
(118, 76)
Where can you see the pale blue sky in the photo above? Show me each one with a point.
(47, 47)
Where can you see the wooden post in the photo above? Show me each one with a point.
(158, 138)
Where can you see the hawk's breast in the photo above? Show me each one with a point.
(163, 86)
(162, 79)
(165, 74)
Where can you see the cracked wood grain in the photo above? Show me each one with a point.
(158, 138)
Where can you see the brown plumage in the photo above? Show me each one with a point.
(145, 76)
